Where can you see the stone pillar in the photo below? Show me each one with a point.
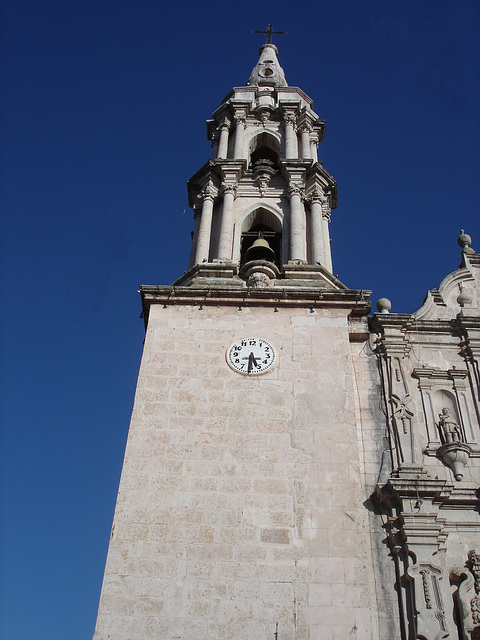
(223, 144)
(314, 149)
(226, 227)
(318, 254)
(327, 252)
(205, 227)
(419, 539)
(306, 150)
(297, 224)
(240, 120)
(291, 150)
(193, 250)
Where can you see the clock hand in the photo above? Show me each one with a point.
(251, 360)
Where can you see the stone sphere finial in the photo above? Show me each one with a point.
(464, 240)
(384, 305)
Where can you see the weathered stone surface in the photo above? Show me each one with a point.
(227, 489)
(334, 496)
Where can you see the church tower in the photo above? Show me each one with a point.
(263, 494)
(264, 183)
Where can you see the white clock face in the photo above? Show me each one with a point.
(251, 356)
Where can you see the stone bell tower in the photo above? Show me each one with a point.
(239, 513)
(263, 180)
(269, 411)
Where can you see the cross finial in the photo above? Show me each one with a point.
(268, 33)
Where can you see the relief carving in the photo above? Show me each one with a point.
(430, 610)
(401, 416)
(258, 280)
(474, 557)
(467, 597)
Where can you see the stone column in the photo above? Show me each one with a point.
(226, 227)
(327, 252)
(223, 144)
(314, 149)
(205, 227)
(240, 120)
(291, 150)
(297, 224)
(193, 250)
(316, 221)
(306, 150)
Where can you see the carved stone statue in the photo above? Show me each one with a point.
(449, 428)
(474, 557)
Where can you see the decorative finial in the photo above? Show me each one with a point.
(464, 240)
(384, 305)
(465, 298)
(269, 32)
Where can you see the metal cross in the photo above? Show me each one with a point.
(269, 31)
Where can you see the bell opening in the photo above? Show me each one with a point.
(269, 249)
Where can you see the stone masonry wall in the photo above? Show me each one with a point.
(240, 510)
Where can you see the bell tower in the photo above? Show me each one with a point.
(240, 509)
(263, 180)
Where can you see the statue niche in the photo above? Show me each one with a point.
(454, 451)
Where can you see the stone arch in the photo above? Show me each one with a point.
(262, 222)
(444, 398)
(262, 215)
(264, 147)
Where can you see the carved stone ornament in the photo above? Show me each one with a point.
(453, 452)
(467, 597)
(295, 190)
(225, 124)
(290, 119)
(306, 126)
(229, 188)
(474, 557)
(326, 212)
(263, 171)
(264, 116)
(464, 580)
(262, 181)
(241, 119)
(455, 455)
(258, 280)
(431, 620)
(465, 297)
(317, 196)
(259, 274)
(207, 193)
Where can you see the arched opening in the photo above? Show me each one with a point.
(447, 415)
(262, 224)
(264, 149)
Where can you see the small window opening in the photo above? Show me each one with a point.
(264, 149)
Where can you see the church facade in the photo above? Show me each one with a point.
(296, 469)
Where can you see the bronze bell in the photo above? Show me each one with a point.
(260, 250)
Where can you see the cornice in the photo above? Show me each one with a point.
(354, 302)
(381, 322)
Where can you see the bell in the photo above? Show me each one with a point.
(260, 250)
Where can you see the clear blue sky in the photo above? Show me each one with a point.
(103, 122)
